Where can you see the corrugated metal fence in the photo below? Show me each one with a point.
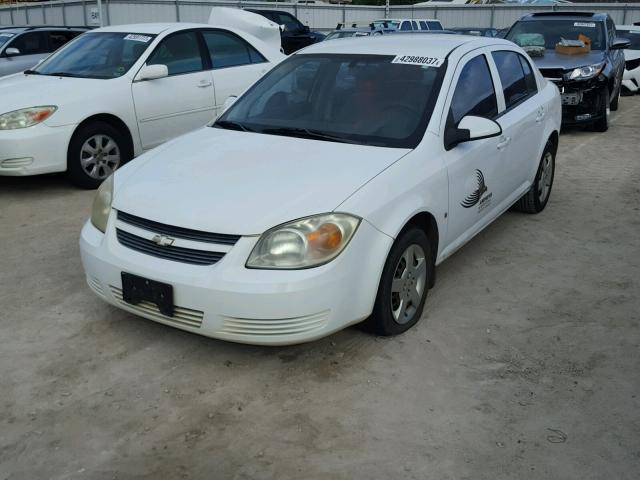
(317, 16)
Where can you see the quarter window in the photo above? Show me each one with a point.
(512, 76)
(180, 52)
(474, 94)
(228, 50)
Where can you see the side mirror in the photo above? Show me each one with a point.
(152, 72)
(228, 102)
(11, 52)
(470, 128)
(620, 43)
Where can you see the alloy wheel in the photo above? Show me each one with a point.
(409, 283)
(99, 156)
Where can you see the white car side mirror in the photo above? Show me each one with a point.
(152, 72)
(228, 102)
(11, 52)
(471, 128)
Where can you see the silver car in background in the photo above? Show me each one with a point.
(22, 47)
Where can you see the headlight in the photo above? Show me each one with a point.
(304, 243)
(584, 73)
(25, 117)
(102, 204)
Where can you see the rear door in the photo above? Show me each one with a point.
(33, 46)
(183, 101)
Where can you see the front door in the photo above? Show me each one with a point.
(183, 101)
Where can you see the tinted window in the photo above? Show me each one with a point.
(423, 25)
(474, 94)
(405, 25)
(180, 52)
(511, 74)
(529, 77)
(30, 43)
(434, 25)
(227, 50)
(291, 22)
(632, 35)
(57, 39)
(414, 24)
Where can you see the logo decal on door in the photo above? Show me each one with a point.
(473, 198)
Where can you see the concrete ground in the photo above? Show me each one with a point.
(525, 365)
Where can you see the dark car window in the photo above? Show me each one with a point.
(512, 77)
(406, 25)
(434, 25)
(632, 35)
(228, 50)
(529, 77)
(180, 52)
(30, 43)
(291, 22)
(549, 32)
(423, 25)
(414, 24)
(474, 93)
(57, 39)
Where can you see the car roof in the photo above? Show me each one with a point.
(35, 28)
(151, 28)
(564, 16)
(433, 45)
(402, 19)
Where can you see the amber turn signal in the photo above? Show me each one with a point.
(327, 236)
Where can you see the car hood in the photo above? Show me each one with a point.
(243, 183)
(551, 59)
(22, 91)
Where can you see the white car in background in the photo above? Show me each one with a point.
(631, 77)
(115, 92)
(327, 193)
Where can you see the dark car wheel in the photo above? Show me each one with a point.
(537, 197)
(604, 111)
(615, 102)
(403, 288)
(96, 150)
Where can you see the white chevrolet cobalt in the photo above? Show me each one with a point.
(327, 194)
(114, 92)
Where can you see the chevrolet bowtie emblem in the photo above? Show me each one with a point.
(163, 240)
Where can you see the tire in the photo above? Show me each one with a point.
(537, 197)
(615, 102)
(602, 124)
(96, 137)
(400, 285)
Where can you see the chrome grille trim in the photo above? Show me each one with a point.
(178, 232)
(176, 254)
(181, 315)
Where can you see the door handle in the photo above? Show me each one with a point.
(504, 141)
(205, 83)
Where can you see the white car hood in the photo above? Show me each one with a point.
(241, 183)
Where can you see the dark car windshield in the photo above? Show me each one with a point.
(97, 55)
(632, 35)
(363, 99)
(550, 32)
(5, 37)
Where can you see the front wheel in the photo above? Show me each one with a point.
(404, 284)
(537, 197)
(604, 111)
(96, 150)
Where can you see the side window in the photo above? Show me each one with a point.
(406, 25)
(30, 43)
(423, 25)
(180, 52)
(414, 24)
(511, 74)
(474, 93)
(434, 25)
(228, 50)
(529, 77)
(57, 39)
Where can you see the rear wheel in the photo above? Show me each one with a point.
(404, 284)
(96, 150)
(537, 197)
(604, 111)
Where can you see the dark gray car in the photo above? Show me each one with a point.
(22, 47)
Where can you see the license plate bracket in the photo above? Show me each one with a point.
(137, 289)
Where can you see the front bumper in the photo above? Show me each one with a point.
(580, 105)
(34, 150)
(230, 302)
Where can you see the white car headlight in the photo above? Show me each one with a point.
(25, 117)
(304, 243)
(584, 73)
(102, 204)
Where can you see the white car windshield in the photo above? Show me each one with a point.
(362, 99)
(96, 55)
(548, 33)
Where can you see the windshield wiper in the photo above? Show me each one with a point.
(62, 74)
(231, 125)
(305, 133)
(31, 72)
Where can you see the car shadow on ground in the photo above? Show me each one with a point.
(50, 182)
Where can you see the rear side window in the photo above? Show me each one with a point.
(423, 25)
(30, 43)
(434, 25)
(514, 84)
(180, 52)
(414, 24)
(228, 50)
(405, 25)
(474, 94)
(529, 77)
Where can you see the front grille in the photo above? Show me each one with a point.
(181, 315)
(178, 232)
(554, 74)
(278, 326)
(632, 64)
(177, 254)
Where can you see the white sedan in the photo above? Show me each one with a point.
(114, 92)
(327, 194)
(631, 76)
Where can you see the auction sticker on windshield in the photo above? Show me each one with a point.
(584, 24)
(415, 60)
(137, 38)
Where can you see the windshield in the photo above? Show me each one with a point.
(5, 37)
(632, 35)
(97, 55)
(550, 32)
(363, 99)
